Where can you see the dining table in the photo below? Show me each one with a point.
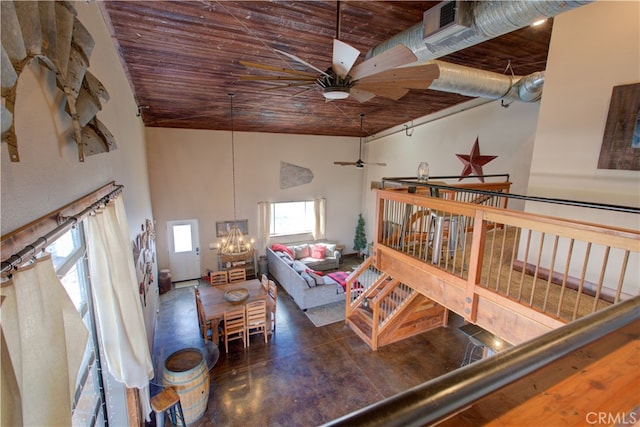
(215, 304)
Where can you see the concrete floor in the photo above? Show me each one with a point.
(304, 375)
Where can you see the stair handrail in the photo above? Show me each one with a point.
(437, 399)
(351, 280)
(410, 296)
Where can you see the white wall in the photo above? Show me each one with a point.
(593, 48)
(504, 132)
(191, 178)
(49, 174)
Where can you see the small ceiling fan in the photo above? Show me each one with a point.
(376, 76)
(359, 163)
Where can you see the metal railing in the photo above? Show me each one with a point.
(441, 397)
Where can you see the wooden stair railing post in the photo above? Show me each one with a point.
(351, 279)
(475, 266)
(375, 308)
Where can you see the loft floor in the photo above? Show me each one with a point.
(304, 375)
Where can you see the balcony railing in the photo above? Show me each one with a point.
(555, 270)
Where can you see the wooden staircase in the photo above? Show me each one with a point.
(384, 310)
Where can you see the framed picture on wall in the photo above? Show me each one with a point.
(621, 141)
(223, 227)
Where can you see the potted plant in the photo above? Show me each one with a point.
(359, 240)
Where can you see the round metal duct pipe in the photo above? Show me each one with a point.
(490, 19)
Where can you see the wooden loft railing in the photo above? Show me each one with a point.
(496, 267)
(550, 285)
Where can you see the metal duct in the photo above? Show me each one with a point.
(490, 19)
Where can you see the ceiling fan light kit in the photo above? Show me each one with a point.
(335, 93)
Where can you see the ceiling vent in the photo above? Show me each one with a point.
(446, 19)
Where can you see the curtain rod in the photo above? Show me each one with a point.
(66, 223)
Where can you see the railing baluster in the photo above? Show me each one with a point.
(564, 277)
(551, 270)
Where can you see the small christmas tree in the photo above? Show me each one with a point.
(359, 240)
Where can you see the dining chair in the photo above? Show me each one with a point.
(235, 325)
(273, 293)
(237, 275)
(218, 278)
(205, 325)
(264, 281)
(256, 319)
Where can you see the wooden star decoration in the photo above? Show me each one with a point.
(473, 162)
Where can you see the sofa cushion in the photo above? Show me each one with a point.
(318, 252)
(301, 251)
(299, 266)
(331, 247)
(307, 277)
(282, 248)
(286, 258)
(318, 278)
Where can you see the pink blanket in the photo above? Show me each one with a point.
(340, 277)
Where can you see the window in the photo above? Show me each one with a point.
(69, 259)
(292, 218)
(182, 238)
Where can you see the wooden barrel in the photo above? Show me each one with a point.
(186, 371)
(164, 281)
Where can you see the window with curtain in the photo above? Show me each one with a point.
(288, 218)
(68, 254)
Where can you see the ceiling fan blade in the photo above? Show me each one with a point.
(392, 58)
(267, 78)
(279, 69)
(295, 58)
(288, 85)
(376, 164)
(361, 95)
(391, 92)
(418, 77)
(345, 163)
(344, 56)
(302, 91)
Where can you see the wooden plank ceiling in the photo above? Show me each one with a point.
(182, 58)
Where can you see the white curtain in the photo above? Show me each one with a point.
(320, 207)
(43, 342)
(264, 224)
(117, 301)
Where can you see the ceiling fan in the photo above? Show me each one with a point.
(376, 76)
(359, 163)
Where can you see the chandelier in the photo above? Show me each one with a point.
(234, 243)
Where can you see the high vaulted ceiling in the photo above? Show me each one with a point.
(182, 59)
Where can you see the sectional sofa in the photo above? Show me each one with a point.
(300, 279)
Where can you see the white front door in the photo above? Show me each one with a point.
(184, 249)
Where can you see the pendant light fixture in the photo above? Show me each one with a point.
(235, 242)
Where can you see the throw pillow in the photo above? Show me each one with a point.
(301, 251)
(299, 266)
(283, 248)
(331, 247)
(318, 252)
(310, 281)
(319, 279)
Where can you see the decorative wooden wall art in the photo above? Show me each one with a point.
(621, 140)
(144, 257)
(50, 33)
